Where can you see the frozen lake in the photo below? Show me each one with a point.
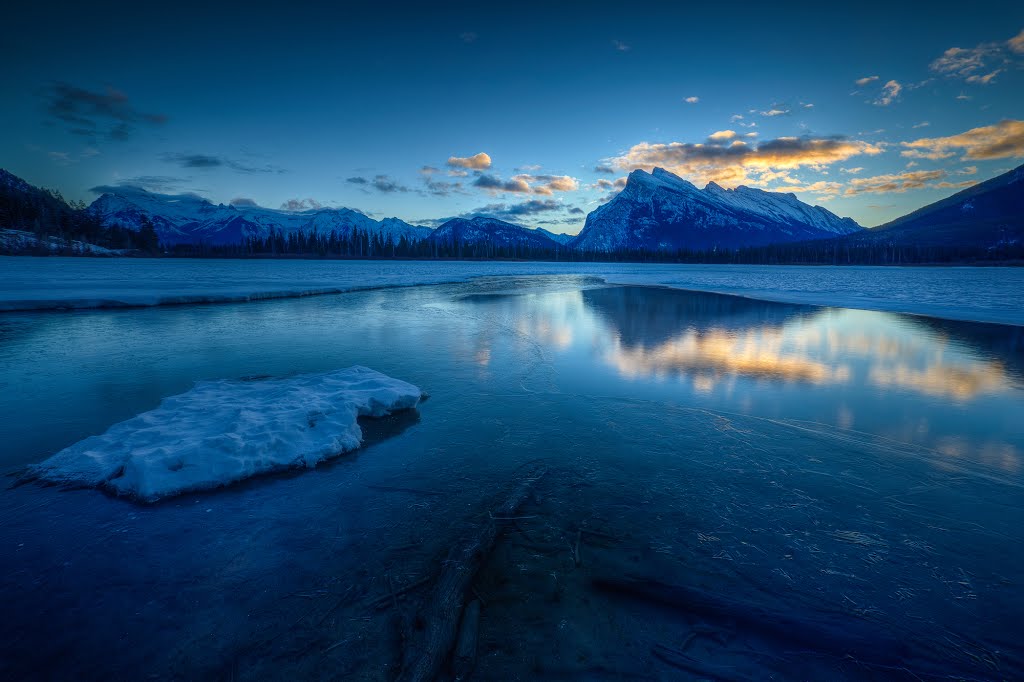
(961, 293)
(736, 487)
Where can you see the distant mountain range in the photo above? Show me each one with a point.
(660, 210)
(187, 218)
(655, 211)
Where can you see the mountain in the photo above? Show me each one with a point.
(661, 211)
(988, 214)
(481, 230)
(561, 238)
(188, 218)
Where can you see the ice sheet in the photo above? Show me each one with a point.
(963, 293)
(225, 431)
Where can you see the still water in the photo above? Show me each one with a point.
(791, 491)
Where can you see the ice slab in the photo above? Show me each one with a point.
(225, 431)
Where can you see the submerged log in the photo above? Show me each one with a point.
(442, 613)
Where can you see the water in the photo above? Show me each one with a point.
(835, 493)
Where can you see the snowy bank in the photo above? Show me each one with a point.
(225, 431)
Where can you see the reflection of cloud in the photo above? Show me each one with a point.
(961, 382)
(755, 354)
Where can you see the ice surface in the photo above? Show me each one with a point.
(960, 293)
(225, 431)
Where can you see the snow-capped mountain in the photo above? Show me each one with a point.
(660, 210)
(491, 231)
(188, 218)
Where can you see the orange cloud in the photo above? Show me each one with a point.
(1002, 140)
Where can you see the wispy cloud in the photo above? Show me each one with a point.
(207, 161)
(620, 46)
(87, 112)
(981, 64)
(693, 99)
(381, 183)
(297, 204)
(896, 183)
(890, 93)
(861, 82)
(999, 141)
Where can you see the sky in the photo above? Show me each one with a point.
(530, 112)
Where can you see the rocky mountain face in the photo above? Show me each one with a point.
(661, 211)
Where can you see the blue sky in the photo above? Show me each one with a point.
(527, 111)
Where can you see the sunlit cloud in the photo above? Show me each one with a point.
(890, 92)
(732, 162)
(479, 161)
(961, 382)
(861, 82)
(527, 184)
(1000, 141)
(893, 183)
(692, 100)
(979, 65)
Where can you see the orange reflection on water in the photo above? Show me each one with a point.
(754, 353)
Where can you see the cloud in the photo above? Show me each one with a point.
(610, 185)
(531, 207)
(922, 124)
(723, 135)
(206, 161)
(244, 202)
(897, 183)
(890, 92)
(387, 184)
(301, 205)
(1016, 43)
(736, 117)
(692, 100)
(861, 82)
(468, 37)
(87, 110)
(358, 180)
(1000, 141)
(775, 112)
(479, 161)
(429, 170)
(603, 168)
(967, 170)
(576, 210)
(981, 64)
(528, 184)
(620, 46)
(956, 185)
(161, 184)
(732, 163)
(852, 171)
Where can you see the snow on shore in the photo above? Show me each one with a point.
(225, 431)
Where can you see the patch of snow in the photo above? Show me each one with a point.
(22, 241)
(225, 431)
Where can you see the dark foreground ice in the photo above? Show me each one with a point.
(734, 489)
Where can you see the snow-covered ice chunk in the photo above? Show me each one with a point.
(225, 431)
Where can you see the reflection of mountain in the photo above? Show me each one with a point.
(647, 316)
